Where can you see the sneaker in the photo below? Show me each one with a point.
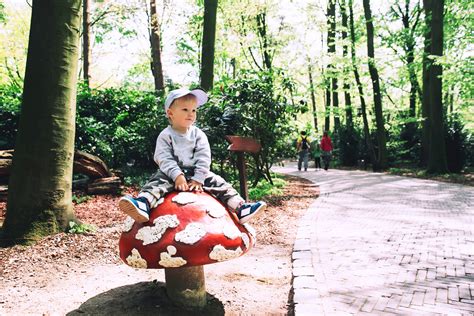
(138, 208)
(248, 210)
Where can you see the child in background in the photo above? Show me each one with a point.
(183, 156)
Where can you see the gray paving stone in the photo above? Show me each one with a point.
(306, 296)
(385, 245)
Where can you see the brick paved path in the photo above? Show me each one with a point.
(384, 245)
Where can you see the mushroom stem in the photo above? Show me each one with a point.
(186, 286)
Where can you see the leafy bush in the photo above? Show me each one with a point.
(10, 104)
(457, 142)
(118, 125)
(348, 144)
(249, 106)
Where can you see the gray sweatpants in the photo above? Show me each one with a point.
(159, 184)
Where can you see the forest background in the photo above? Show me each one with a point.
(359, 69)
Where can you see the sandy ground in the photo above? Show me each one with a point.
(83, 275)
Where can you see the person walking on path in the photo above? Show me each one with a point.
(316, 152)
(302, 146)
(326, 147)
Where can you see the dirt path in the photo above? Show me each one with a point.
(82, 274)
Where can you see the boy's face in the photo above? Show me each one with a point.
(182, 113)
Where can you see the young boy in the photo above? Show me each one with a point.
(183, 156)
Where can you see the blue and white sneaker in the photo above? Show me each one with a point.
(248, 210)
(138, 208)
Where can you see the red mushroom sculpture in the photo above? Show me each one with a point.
(186, 231)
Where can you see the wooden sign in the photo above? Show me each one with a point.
(243, 144)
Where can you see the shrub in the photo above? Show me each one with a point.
(118, 125)
(457, 142)
(10, 104)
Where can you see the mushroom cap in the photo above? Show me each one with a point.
(185, 229)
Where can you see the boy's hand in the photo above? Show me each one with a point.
(180, 183)
(195, 186)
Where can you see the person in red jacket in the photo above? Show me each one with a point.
(326, 147)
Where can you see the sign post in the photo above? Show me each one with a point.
(241, 145)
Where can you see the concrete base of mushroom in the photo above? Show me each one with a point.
(186, 231)
(186, 286)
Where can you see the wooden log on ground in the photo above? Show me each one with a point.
(5, 162)
(104, 186)
(90, 165)
(3, 193)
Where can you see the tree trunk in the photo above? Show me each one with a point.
(313, 98)
(39, 201)
(374, 75)
(368, 141)
(347, 96)
(208, 42)
(327, 111)
(263, 34)
(332, 81)
(437, 153)
(425, 105)
(86, 43)
(155, 42)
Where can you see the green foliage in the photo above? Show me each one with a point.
(456, 144)
(80, 228)
(249, 106)
(80, 199)
(2, 13)
(10, 103)
(348, 142)
(118, 125)
(264, 188)
(404, 141)
(136, 176)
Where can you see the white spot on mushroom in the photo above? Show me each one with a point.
(184, 198)
(135, 260)
(219, 253)
(128, 224)
(190, 234)
(160, 201)
(152, 234)
(171, 262)
(231, 231)
(246, 240)
(217, 211)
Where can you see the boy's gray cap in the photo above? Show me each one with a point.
(200, 95)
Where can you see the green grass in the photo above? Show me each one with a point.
(80, 228)
(80, 199)
(265, 188)
(465, 177)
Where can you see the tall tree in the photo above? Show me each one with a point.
(410, 21)
(86, 43)
(425, 104)
(155, 42)
(313, 98)
(331, 81)
(381, 162)
(39, 199)
(368, 141)
(208, 43)
(346, 85)
(437, 150)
